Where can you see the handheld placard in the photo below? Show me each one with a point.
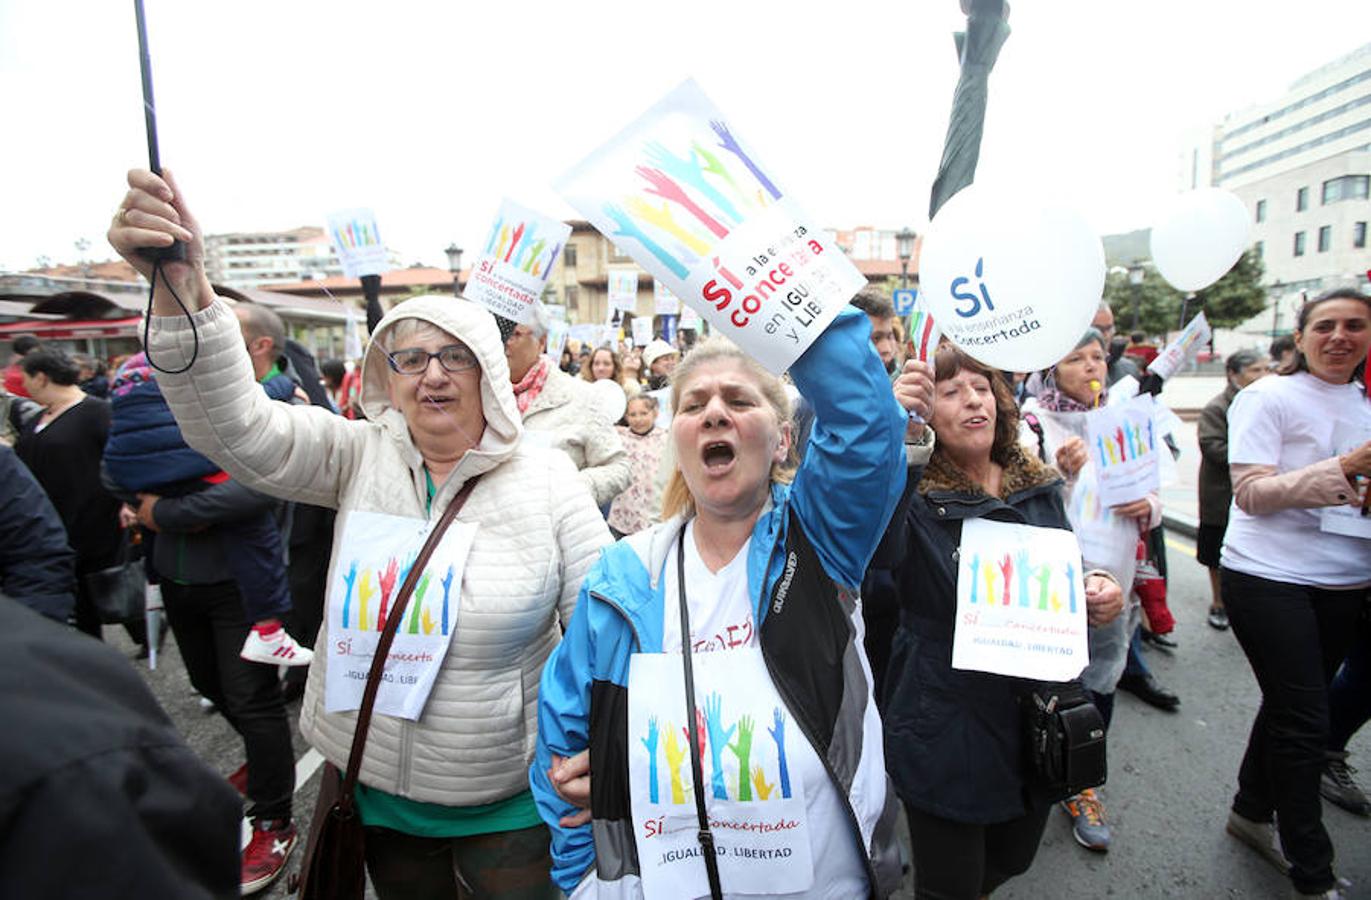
(177, 250)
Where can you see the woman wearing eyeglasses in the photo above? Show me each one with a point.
(444, 791)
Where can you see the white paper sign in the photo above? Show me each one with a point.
(352, 333)
(1020, 602)
(1180, 352)
(924, 333)
(373, 557)
(519, 254)
(557, 331)
(664, 303)
(1346, 520)
(1107, 540)
(623, 289)
(756, 801)
(690, 319)
(357, 241)
(680, 192)
(642, 331)
(1122, 441)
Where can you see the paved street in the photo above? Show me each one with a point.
(1171, 775)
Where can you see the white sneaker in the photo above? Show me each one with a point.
(280, 649)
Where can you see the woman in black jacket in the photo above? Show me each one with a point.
(954, 745)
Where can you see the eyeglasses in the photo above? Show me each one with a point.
(453, 358)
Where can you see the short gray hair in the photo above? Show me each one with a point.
(264, 322)
(1240, 360)
(540, 322)
(410, 329)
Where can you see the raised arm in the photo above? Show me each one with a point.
(853, 470)
(293, 452)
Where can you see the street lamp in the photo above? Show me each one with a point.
(1136, 273)
(904, 248)
(454, 265)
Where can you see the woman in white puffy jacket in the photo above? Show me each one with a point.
(443, 792)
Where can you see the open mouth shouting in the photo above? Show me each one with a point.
(975, 422)
(718, 457)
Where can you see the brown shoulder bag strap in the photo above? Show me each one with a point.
(378, 662)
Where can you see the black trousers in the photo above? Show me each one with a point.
(1295, 637)
(208, 623)
(505, 865)
(956, 861)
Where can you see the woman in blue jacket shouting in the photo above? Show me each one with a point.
(753, 763)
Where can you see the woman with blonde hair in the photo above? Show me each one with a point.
(744, 597)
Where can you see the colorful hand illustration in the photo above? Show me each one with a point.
(447, 590)
(664, 187)
(1118, 438)
(988, 571)
(1044, 579)
(504, 242)
(661, 217)
(777, 732)
(416, 603)
(428, 623)
(975, 570)
(759, 782)
(514, 241)
(1025, 573)
(1071, 586)
(534, 252)
(348, 579)
(701, 732)
(530, 234)
(626, 227)
(1099, 445)
(364, 594)
(494, 234)
(387, 587)
(718, 739)
(650, 742)
(743, 750)
(729, 143)
(675, 755)
(713, 166)
(688, 172)
(1006, 569)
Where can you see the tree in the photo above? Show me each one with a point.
(1233, 299)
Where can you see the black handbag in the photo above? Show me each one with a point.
(118, 593)
(1065, 738)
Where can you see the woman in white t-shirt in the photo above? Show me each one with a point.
(1296, 564)
(776, 744)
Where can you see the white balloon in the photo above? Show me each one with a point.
(1199, 238)
(610, 398)
(1012, 281)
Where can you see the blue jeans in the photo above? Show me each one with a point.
(1349, 698)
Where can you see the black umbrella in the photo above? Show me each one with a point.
(978, 47)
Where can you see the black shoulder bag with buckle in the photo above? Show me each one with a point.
(1065, 738)
(696, 768)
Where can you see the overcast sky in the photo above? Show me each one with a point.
(275, 113)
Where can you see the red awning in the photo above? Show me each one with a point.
(75, 329)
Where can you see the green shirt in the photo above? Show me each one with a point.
(435, 820)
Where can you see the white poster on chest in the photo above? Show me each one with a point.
(755, 800)
(1020, 602)
(374, 556)
(1347, 520)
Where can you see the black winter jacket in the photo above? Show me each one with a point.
(953, 739)
(99, 794)
(37, 566)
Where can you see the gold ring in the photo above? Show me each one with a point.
(123, 216)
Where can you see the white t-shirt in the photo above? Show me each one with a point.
(722, 619)
(1289, 421)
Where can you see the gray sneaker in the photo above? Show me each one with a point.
(1260, 836)
(1338, 787)
(1088, 825)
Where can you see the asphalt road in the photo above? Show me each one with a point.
(1172, 775)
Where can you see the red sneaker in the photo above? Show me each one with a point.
(265, 856)
(239, 779)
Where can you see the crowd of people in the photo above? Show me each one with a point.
(725, 548)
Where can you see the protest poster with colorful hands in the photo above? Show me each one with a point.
(1183, 350)
(373, 559)
(518, 256)
(1122, 442)
(753, 764)
(1020, 602)
(357, 240)
(681, 193)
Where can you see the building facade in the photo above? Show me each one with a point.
(1301, 163)
(267, 258)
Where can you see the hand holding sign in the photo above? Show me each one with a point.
(1013, 282)
(914, 389)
